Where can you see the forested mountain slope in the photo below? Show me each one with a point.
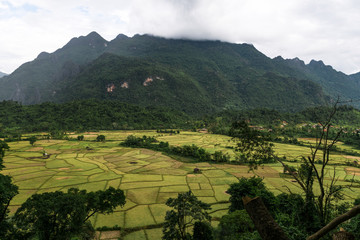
(197, 77)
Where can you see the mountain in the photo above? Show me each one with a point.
(2, 74)
(197, 77)
(333, 82)
(32, 82)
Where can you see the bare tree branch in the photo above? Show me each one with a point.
(335, 222)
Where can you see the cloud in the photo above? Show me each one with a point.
(323, 29)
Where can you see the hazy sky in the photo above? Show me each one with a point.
(327, 30)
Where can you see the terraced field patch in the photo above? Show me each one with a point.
(148, 178)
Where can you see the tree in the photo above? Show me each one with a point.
(254, 146)
(80, 137)
(252, 187)
(100, 138)
(32, 140)
(59, 215)
(203, 231)
(7, 192)
(320, 195)
(236, 225)
(353, 225)
(187, 210)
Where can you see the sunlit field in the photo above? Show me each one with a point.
(148, 178)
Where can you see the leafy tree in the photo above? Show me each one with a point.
(100, 138)
(187, 209)
(203, 231)
(251, 187)
(80, 137)
(59, 215)
(7, 192)
(289, 168)
(254, 147)
(32, 140)
(236, 225)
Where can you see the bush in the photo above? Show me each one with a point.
(235, 225)
(100, 138)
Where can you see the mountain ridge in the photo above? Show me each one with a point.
(222, 75)
(2, 74)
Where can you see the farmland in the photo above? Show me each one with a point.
(148, 178)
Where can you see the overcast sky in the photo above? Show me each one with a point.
(327, 30)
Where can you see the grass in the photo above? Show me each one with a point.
(138, 216)
(148, 178)
(143, 195)
(159, 211)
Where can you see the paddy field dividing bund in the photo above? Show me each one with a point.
(147, 177)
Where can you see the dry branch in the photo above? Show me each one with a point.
(335, 222)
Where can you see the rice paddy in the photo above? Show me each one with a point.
(148, 178)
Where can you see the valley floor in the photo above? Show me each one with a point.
(148, 178)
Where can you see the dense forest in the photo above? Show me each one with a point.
(92, 114)
(86, 115)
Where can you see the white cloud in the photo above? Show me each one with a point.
(323, 29)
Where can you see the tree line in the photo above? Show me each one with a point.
(86, 115)
(190, 151)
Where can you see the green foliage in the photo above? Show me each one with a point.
(7, 192)
(59, 215)
(288, 168)
(191, 151)
(236, 225)
(187, 209)
(168, 131)
(80, 137)
(32, 140)
(3, 147)
(254, 146)
(100, 138)
(193, 76)
(203, 231)
(252, 187)
(353, 226)
(85, 115)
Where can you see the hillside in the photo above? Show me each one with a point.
(2, 74)
(197, 77)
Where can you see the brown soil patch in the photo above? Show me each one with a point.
(110, 235)
(89, 136)
(353, 171)
(35, 149)
(61, 178)
(177, 164)
(246, 175)
(351, 157)
(52, 151)
(64, 168)
(96, 133)
(147, 152)
(191, 175)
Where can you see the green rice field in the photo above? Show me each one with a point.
(148, 178)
